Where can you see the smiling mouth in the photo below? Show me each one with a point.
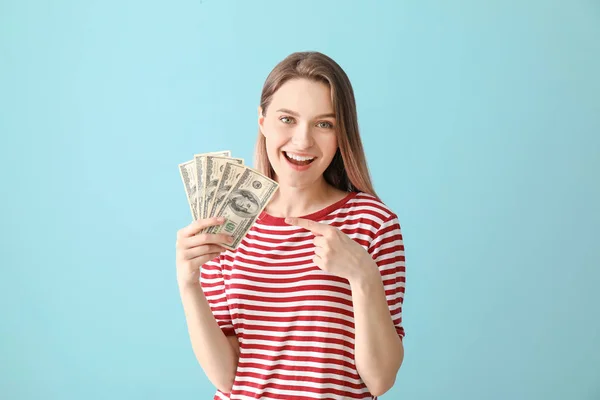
(297, 160)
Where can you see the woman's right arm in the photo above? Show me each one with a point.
(217, 354)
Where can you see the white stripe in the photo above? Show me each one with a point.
(353, 222)
(210, 281)
(218, 299)
(280, 237)
(273, 262)
(304, 293)
(284, 253)
(297, 373)
(316, 345)
(257, 267)
(294, 353)
(303, 364)
(244, 397)
(299, 285)
(315, 385)
(316, 273)
(304, 324)
(316, 333)
(303, 313)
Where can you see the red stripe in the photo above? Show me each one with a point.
(287, 367)
(391, 260)
(313, 278)
(288, 299)
(297, 338)
(298, 289)
(288, 320)
(241, 268)
(275, 360)
(277, 347)
(329, 329)
(299, 389)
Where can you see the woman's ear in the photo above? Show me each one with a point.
(261, 120)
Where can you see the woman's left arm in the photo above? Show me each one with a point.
(378, 351)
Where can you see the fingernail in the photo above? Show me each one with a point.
(221, 219)
(288, 220)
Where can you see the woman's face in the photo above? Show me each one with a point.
(300, 123)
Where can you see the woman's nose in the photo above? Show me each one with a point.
(302, 136)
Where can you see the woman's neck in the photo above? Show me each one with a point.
(291, 201)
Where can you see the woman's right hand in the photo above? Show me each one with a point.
(193, 249)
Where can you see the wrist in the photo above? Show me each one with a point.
(367, 273)
(188, 287)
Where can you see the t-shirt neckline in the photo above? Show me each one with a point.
(265, 218)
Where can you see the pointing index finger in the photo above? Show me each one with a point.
(312, 226)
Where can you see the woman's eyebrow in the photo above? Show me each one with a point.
(295, 114)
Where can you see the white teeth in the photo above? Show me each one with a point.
(298, 158)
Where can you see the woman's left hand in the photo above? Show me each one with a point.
(336, 252)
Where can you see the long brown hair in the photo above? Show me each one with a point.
(348, 170)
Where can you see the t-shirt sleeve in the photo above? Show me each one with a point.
(387, 249)
(213, 286)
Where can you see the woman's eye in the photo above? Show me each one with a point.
(286, 120)
(325, 125)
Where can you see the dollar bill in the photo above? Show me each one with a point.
(212, 168)
(200, 162)
(188, 176)
(242, 205)
(199, 167)
(187, 171)
(231, 173)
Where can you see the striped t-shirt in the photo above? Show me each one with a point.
(294, 321)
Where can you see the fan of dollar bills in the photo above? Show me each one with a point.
(218, 185)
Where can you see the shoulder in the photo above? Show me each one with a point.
(372, 209)
(383, 232)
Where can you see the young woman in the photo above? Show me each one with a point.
(309, 306)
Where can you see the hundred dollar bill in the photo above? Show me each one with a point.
(231, 173)
(212, 168)
(244, 202)
(188, 176)
(187, 171)
(200, 177)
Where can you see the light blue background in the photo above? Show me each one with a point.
(481, 123)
